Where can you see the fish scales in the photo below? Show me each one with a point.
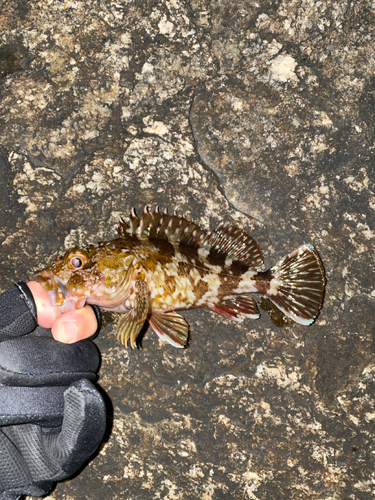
(182, 275)
(160, 264)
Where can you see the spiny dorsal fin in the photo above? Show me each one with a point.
(236, 244)
(228, 241)
(162, 226)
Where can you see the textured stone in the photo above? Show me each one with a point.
(260, 114)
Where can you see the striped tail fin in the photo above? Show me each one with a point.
(297, 284)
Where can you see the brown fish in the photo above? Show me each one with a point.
(161, 263)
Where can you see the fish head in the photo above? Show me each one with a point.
(96, 274)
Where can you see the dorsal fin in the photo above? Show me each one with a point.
(236, 244)
(225, 241)
(162, 226)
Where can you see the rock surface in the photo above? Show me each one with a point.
(260, 114)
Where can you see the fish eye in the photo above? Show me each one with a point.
(77, 260)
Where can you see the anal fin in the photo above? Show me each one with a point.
(171, 327)
(237, 308)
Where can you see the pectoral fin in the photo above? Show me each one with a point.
(237, 308)
(132, 321)
(170, 327)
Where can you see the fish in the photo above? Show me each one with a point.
(162, 263)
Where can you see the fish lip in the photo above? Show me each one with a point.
(45, 279)
(54, 287)
(70, 302)
(41, 274)
(61, 285)
(58, 293)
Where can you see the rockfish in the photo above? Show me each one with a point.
(163, 263)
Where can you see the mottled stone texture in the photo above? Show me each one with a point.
(261, 114)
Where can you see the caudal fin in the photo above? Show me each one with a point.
(297, 284)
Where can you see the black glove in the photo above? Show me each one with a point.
(52, 418)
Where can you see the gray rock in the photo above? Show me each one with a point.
(260, 114)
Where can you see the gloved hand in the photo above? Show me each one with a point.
(52, 417)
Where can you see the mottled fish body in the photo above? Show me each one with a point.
(160, 264)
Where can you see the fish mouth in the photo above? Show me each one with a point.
(55, 294)
(58, 292)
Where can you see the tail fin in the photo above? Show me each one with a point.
(297, 284)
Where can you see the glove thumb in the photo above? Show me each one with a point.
(82, 429)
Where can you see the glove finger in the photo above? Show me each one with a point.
(24, 460)
(39, 455)
(42, 405)
(16, 476)
(13, 470)
(36, 361)
(82, 429)
(16, 313)
(10, 495)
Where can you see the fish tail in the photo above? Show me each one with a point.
(297, 284)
